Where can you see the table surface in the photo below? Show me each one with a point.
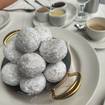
(22, 19)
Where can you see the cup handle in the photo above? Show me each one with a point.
(71, 90)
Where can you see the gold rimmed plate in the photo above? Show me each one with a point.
(85, 62)
(72, 89)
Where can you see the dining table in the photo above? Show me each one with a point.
(20, 19)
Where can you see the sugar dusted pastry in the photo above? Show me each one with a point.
(31, 64)
(53, 50)
(55, 72)
(10, 74)
(45, 33)
(34, 85)
(11, 53)
(27, 40)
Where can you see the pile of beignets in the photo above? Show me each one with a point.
(35, 59)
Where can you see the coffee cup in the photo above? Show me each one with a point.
(95, 28)
(42, 14)
(57, 17)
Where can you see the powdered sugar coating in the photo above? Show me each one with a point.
(10, 74)
(53, 50)
(34, 85)
(55, 72)
(31, 64)
(11, 53)
(27, 40)
(45, 33)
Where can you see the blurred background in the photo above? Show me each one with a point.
(103, 1)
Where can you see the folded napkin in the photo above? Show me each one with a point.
(19, 4)
(22, 4)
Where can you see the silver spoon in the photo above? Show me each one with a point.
(42, 4)
(20, 9)
(37, 3)
(29, 3)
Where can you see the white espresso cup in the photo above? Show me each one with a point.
(42, 14)
(95, 28)
(57, 17)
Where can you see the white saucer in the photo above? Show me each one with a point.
(4, 18)
(85, 61)
(71, 15)
(98, 45)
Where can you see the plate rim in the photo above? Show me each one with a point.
(98, 45)
(93, 50)
(7, 20)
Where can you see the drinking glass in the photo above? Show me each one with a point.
(50, 4)
(82, 15)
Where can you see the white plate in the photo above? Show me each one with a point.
(85, 61)
(4, 18)
(71, 15)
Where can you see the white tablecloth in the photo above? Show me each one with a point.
(22, 19)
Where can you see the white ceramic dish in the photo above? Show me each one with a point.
(98, 45)
(85, 61)
(4, 18)
(71, 15)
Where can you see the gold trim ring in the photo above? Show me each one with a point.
(9, 36)
(71, 90)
